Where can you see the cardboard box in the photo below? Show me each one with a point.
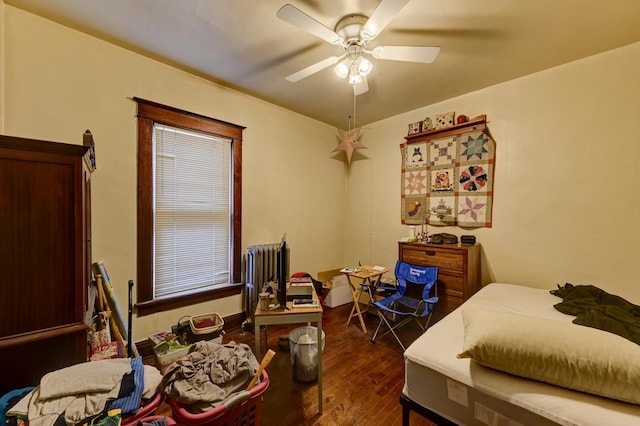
(340, 294)
(328, 275)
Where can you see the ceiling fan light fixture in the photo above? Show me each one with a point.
(354, 75)
(355, 78)
(364, 66)
(342, 69)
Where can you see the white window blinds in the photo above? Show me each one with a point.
(192, 212)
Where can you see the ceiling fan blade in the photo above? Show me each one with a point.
(298, 18)
(312, 69)
(362, 87)
(424, 54)
(384, 13)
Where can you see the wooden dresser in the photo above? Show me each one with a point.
(45, 252)
(458, 270)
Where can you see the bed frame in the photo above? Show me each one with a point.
(408, 406)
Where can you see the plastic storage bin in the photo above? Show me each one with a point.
(304, 353)
(246, 409)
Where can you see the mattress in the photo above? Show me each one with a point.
(466, 393)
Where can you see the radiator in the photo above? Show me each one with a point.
(261, 267)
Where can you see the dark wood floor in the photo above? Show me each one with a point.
(362, 381)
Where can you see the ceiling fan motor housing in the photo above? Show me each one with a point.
(349, 28)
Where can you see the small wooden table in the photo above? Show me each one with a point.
(370, 277)
(292, 316)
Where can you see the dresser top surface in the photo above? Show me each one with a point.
(420, 245)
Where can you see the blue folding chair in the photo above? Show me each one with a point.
(412, 301)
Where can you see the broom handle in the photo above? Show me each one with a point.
(265, 361)
(129, 321)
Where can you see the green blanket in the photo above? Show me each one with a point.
(594, 307)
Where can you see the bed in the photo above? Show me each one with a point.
(448, 389)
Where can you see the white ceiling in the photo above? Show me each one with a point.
(243, 45)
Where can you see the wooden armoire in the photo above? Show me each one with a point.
(45, 258)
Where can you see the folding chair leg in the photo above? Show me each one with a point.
(426, 324)
(390, 329)
(375, 334)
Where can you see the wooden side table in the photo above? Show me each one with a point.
(370, 277)
(292, 316)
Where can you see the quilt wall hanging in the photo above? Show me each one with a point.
(447, 176)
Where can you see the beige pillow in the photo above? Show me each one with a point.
(563, 354)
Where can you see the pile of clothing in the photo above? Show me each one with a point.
(594, 307)
(84, 392)
(209, 375)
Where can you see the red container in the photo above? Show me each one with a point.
(168, 420)
(245, 411)
(145, 410)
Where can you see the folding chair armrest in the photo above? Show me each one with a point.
(430, 301)
(384, 289)
(419, 308)
(380, 289)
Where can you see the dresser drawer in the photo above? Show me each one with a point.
(427, 256)
(446, 304)
(450, 284)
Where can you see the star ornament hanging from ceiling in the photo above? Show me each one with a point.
(349, 142)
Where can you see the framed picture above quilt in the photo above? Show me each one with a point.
(447, 176)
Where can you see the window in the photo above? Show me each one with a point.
(189, 208)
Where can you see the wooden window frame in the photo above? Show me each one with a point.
(150, 113)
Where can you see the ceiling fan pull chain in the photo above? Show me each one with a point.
(354, 110)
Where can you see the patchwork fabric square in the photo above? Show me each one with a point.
(475, 146)
(416, 156)
(413, 209)
(442, 180)
(443, 151)
(415, 182)
(474, 178)
(443, 210)
(473, 210)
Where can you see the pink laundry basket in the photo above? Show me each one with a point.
(243, 410)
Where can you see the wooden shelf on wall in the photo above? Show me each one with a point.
(476, 123)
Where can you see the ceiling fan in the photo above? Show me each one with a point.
(353, 33)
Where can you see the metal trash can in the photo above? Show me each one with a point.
(303, 346)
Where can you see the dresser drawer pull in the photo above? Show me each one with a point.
(430, 253)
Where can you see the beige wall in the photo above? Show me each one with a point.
(60, 82)
(567, 179)
(567, 191)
